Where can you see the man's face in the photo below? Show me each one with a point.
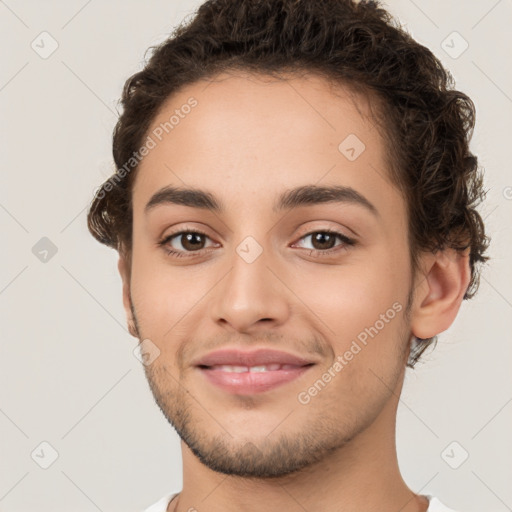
(261, 277)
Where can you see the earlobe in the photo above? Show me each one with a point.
(440, 292)
(124, 272)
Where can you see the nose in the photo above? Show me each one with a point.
(251, 296)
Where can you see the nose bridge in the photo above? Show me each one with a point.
(250, 291)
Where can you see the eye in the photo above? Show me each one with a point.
(182, 242)
(324, 241)
(186, 242)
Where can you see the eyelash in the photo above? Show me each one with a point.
(327, 252)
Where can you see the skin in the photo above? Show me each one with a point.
(249, 139)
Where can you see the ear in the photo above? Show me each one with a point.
(124, 271)
(440, 289)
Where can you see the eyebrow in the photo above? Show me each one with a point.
(306, 195)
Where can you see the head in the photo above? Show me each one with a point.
(321, 156)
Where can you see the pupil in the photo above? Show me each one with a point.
(193, 239)
(323, 239)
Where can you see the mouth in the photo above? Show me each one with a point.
(246, 373)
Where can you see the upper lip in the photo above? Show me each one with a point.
(258, 357)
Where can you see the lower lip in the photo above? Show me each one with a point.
(248, 383)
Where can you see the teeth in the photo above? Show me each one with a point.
(272, 367)
(252, 369)
(234, 369)
(258, 369)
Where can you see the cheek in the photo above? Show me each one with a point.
(348, 298)
(165, 299)
(361, 307)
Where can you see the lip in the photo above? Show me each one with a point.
(247, 382)
(258, 357)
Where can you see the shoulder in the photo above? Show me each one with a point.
(436, 506)
(161, 504)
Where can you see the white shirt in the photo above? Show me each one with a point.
(161, 505)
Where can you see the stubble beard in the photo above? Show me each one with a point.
(272, 456)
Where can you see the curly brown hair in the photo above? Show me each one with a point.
(427, 124)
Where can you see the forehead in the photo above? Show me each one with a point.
(253, 136)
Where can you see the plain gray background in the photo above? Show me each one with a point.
(68, 373)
